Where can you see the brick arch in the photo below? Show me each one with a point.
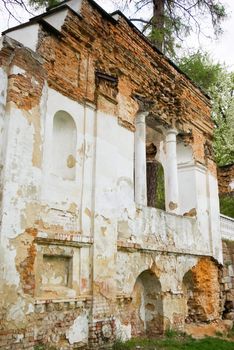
(201, 290)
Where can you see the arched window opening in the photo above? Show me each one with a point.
(155, 179)
(64, 146)
(146, 306)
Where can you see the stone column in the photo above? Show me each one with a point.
(140, 159)
(171, 179)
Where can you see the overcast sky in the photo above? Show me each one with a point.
(221, 50)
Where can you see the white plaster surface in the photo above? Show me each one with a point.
(214, 217)
(56, 20)
(27, 36)
(140, 160)
(17, 70)
(78, 332)
(99, 203)
(64, 141)
(75, 5)
(231, 185)
(123, 331)
(171, 174)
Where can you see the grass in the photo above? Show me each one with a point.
(43, 347)
(174, 341)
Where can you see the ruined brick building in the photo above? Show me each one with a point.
(89, 111)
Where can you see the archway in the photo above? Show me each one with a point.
(202, 292)
(146, 306)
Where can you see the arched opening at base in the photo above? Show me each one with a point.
(146, 306)
(201, 290)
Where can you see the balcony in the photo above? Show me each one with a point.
(227, 227)
(156, 230)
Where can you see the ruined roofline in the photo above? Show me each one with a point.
(119, 13)
(57, 8)
(111, 17)
(40, 17)
(93, 3)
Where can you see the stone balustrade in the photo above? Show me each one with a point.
(227, 227)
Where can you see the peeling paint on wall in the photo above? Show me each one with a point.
(81, 262)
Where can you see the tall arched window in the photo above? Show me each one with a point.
(155, 179)
(64, 146)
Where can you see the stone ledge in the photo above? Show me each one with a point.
(84, 298)
(76, 240)
(132, 247)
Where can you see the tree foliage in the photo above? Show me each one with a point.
(14, 7)
(43, 3)
(227, 205)
(170, 20)
(218, 82)
(166, 22)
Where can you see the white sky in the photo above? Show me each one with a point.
(221, 50)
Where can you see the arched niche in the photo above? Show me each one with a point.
(146, 307)
(64, 146)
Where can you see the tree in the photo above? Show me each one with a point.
(218, 82)
(43, 3)
(175, 19)
(169, 21)
(12, 6)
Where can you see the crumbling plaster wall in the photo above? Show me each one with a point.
(75, 225)
(228, 279)
(170, 270)
(39, 215)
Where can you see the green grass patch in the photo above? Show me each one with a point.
(44, 347)
(181, 342)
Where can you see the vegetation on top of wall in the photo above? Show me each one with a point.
(218, 82)
(227, 205)
(168, 23)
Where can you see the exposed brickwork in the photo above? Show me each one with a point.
(107, 63)
(25, 88)
(47, 325)
(205, 305)
(228, 279)
(26, 267)
(102, 332)
(225, 177)
(97, 44)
